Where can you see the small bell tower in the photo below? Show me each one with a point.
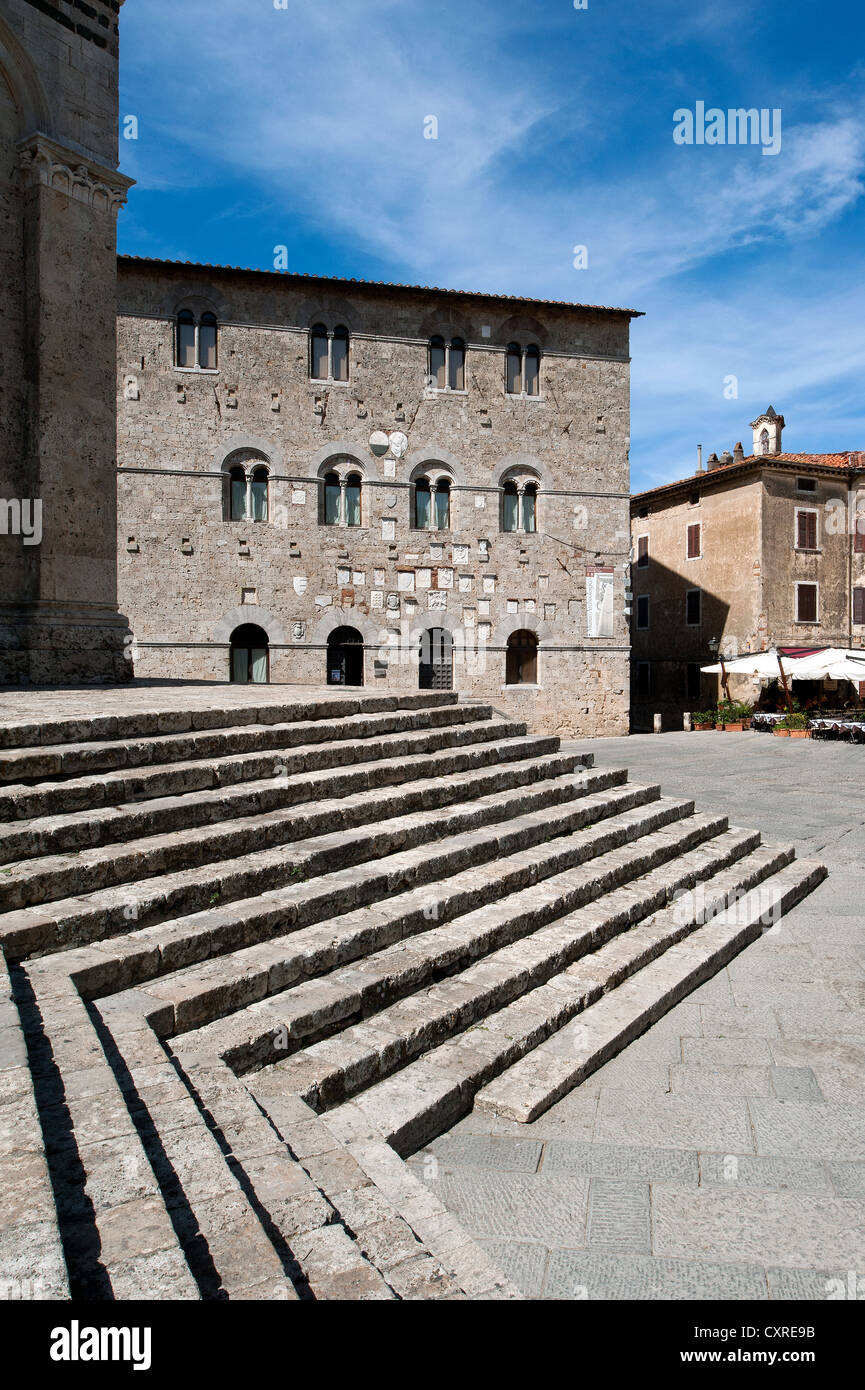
(767, 432)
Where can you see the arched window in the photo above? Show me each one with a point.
(196, 342)
(328, 353)
(437, 363)
(764, 441)
(519, 501)
(530, 507)
(532, 371)
(331, 499)
(345, 657)
(237, 485)
(436, 667)
(352, 499)
(523, 372)
(442, 504)
(186, 338)
(339, 354)
(515, 369)
(447, 364)
(207, 342)
(250, 655)
(521, 658)
(422, 508)
(318, 353)
(258, 490)
(457, 365)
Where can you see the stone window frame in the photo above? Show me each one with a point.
(448, 341)
(433, 471)
(197, 316)
(340, 328)
(806, 584)
(806, 549)
(528, 344)
(521, 476)
(343, 466)
(250, 461)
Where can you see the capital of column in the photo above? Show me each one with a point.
(46, 163)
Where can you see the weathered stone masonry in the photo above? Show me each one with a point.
(59, 193)
(189, 576)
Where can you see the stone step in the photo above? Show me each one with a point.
(158, 718)
(253, 1034)
(576, 1050)
(411, 997)
(429, 1095)
(281, 788)
(213, 972)
(42, 879)
(75, 760)
(280, 757)
(385, 858)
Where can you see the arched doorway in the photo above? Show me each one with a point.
(250, 655)
(345, 657)
(521, 658)
(436, 670)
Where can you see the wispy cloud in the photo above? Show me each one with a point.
(555, 129)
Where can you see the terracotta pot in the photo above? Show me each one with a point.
(704, 726)
(799, 733)
(734, 728)
(781, 733)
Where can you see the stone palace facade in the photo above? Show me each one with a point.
(326, 481)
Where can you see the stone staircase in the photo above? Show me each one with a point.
(256, 956)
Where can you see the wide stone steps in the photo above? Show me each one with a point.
(665, 976)
(325, 1004)
(371, 862)
(94, 728)
(262, 949)
(175, 824)
(280, 752)
(505, 1064)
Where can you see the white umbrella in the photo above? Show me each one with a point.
(835, 663)
(762, 664)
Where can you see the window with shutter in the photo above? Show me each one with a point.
(642, 552)
(859, 535)
(806, 603)
(859, 607)
(693, 607)
(806, 530)
(694, 539)
(643, 610)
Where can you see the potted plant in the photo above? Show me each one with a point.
(734, 715)
(797, 725)
(703, 719)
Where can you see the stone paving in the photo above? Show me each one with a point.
(722, 1153)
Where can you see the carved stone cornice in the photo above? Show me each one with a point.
(46, 163)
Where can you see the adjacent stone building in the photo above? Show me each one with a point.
(59, 196)
(333, 481)
(754, 553)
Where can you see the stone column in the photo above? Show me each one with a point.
(62, 624)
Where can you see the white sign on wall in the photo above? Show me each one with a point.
(599, 602)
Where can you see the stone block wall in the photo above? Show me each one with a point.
(189, 576)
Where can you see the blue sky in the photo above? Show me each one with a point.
(304, 127)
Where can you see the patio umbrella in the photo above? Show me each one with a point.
(836, 663)
(762, 664)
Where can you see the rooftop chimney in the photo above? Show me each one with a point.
(699, 458)
(738, 453)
